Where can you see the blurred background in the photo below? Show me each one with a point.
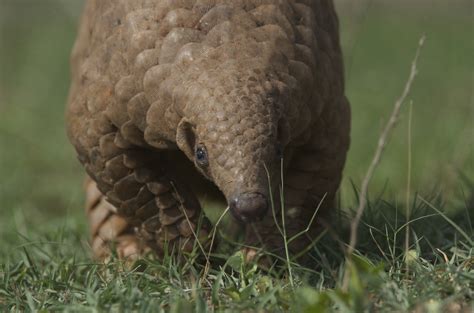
(41, 180)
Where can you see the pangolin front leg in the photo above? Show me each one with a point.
(147, 205)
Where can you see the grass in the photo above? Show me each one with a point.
(52, 271)
(45, 262)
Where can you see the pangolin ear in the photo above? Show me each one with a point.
(186, 138)
(283, 132)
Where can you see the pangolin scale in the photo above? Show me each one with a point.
(172, 98)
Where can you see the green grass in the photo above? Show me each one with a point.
(45, 262)
(52, 271)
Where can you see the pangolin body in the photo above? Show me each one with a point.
(229, 85)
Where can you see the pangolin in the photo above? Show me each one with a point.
(174, 99)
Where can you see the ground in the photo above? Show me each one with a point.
(45, 259)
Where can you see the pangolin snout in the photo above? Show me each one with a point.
(249, 207)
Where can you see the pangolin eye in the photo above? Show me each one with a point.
(201, 156)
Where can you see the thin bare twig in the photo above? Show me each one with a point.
(375, 162)
(191, 226)
(214, 231)
(408, 209)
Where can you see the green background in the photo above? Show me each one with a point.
(40, 178)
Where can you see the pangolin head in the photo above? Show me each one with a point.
(235, 133)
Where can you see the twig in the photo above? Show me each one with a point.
(408, 209)
(214, 231)
(283, 224)
(310, 221)
(190, 224)
(272, 201)
(375, 161)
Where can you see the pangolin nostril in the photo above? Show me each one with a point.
(248, 207)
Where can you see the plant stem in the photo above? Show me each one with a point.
(382, 142)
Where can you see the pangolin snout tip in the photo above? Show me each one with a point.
(249, 207)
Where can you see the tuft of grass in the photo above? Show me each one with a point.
(52, 274)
